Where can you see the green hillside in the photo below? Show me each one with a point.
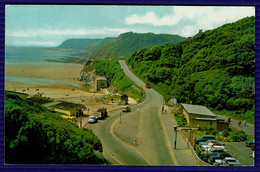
(215, 68)
(100, 44)
(127, 43)
(78, 44)
(34, 135)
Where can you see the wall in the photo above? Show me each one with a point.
(205, 123)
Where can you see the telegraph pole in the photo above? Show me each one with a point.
(175, 130)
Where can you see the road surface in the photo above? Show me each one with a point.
(154, 138)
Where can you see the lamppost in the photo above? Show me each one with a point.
(120, 118)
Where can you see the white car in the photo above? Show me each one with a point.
(214, 150)
(228, 161)
(92, 119)
(217, 146)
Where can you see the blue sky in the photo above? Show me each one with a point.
(50, 25)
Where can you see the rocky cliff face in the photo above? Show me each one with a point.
(87, 74)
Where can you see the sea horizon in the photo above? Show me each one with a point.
(38, 55)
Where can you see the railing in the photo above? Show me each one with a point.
(199, 161)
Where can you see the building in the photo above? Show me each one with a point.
(101, 82)
(201, 116)
(124, 99)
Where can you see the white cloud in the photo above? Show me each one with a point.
(192, 17)
(51, 37)
(152, 19)
(73, 32)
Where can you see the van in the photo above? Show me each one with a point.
(101, 113)
(204, 138)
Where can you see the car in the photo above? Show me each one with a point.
(126, 109)
(227, 161)
(204, 138)
(219, 156)
(250, 143)
(216, 142)
(101, 113)
(214, 150)
(147, 85)
(202, 143)
(92, 119)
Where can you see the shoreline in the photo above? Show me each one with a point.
(59, 91)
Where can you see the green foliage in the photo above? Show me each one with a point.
(116, 77)
(127, 43)
(34, 135)
(78, 44)
(214, 68)
(225, 133)
(180, 119)
(238, 136)
(210, 131)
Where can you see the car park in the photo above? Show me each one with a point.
(92, 119)
(227, 161)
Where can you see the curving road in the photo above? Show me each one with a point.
(154, 146)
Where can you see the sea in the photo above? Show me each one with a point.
(38, 56)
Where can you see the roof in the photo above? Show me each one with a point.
(100, 78)
(206, 119)
(198, 109)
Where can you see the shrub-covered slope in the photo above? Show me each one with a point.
(34, 135)
(78, 44)
(215, 68)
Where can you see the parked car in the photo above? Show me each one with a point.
(205, 147)
(147, 85)
(126, 109)
(250, 143)
(92, 119)
(219, 156)
(216, 142)
(204, 138)
(202, 144)
(214, 150)
(228, 161)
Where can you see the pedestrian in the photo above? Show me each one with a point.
(239, 123)
(162, 109)
(229, 119)
(244, 123)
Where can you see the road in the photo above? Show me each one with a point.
(154, 136)
(249, 128)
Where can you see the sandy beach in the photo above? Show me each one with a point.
(66, 73)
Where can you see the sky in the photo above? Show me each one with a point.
(50, 25)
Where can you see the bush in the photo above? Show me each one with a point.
(34, 135)
(180, 119)
(210, 131)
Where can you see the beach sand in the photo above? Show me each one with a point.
(68, 73)
(56, 72)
